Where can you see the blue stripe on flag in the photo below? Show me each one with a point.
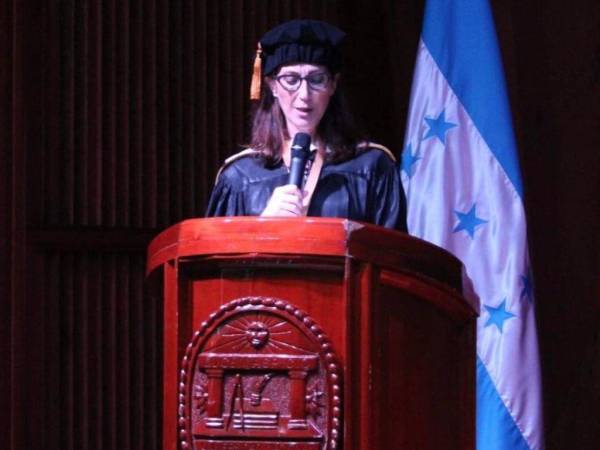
(496, 429)
(467, 54)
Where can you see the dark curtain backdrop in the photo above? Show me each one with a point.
(114, 118)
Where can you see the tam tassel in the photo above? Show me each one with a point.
(256, 75)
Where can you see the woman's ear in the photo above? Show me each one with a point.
(334, 83)
(272, 85)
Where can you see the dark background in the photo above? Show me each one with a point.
(114, 117)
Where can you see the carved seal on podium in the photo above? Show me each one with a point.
(259, 373)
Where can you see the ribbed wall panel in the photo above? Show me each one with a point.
(7, 36)
(102, 352)
(145, 99)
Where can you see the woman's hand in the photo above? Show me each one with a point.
(286, 201)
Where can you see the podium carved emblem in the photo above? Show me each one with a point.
(259, 374)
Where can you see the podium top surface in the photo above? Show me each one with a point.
(308, 236)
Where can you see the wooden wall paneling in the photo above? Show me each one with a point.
(122, 351)
(139, 436)
(134, 332)
(94, 296)
(13, 224)
(86, 325)
(200, 105)
(124, 174)
(6, 232)
(44, 208)
(79, 150)
(66, 167)
(213, 84)
(47, 270)
(186, 94)
(180, 84)
(105, 383)
(29, 299)
(136, 140)
(148, 77)
(222, 76)
(112, 122)
(110, 345)
(242, 63)
(136, 354)
(92, 105)
(67, 356)
(84, 380)
(163, 113)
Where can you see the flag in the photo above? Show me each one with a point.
(461, 176)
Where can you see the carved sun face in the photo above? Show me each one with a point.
(257, 334)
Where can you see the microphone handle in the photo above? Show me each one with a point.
(297, 167)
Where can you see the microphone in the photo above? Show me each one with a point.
(300, 156)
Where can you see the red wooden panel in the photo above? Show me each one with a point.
(298, 284)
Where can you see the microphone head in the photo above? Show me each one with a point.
(300, 154)
(301, 143)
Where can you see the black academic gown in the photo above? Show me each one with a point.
(365, 188)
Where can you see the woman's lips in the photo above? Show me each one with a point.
(304, 110)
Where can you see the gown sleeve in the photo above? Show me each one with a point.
(226, 199)
(389, 199)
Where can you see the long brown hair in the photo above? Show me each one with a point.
(338, 129)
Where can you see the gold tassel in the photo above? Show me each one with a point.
(256, 75)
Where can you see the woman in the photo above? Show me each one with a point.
(348, 177)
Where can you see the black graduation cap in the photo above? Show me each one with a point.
(297, 41)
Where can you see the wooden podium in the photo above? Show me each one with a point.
(311, 334)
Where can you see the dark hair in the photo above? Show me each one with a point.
(338, 129)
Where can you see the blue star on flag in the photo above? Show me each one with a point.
(438, 127)
(408, 160)
(468, 221)
(498, 315)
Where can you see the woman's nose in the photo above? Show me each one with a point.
(304, 89)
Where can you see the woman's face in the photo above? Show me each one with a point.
(303, 92)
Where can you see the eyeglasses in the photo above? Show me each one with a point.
(317, 81)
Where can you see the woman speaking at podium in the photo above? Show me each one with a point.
(306, 156)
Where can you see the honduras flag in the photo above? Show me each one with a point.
(461, 175)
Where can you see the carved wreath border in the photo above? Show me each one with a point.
(296, 314)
